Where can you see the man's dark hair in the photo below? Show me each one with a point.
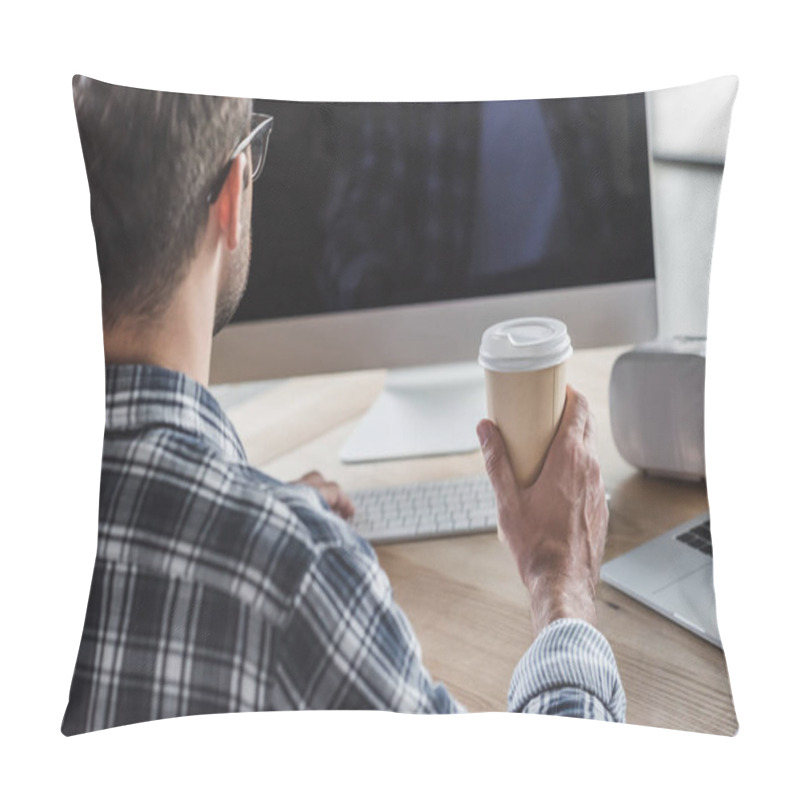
(151, 158)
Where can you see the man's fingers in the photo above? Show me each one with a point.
(331, 493)
(337, 499)
(498, 467)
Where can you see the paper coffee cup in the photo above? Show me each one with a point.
(525, 366)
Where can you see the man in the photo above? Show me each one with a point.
(217, 588)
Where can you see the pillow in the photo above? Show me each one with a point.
(381, 233)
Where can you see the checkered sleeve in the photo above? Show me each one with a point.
(569, 671)
(347, 645)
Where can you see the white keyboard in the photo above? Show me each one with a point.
(423, 510)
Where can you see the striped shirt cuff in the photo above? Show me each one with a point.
(569, 670)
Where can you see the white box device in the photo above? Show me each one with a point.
(656, 402)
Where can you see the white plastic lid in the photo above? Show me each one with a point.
(529, 343)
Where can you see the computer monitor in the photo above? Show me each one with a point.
(392, 235)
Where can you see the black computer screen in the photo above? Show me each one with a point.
(368, 205)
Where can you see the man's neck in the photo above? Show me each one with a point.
(124, 346)
(179, 339)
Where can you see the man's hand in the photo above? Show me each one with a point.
(331, 493)
(556, 528)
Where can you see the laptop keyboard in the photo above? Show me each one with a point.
(699, 537)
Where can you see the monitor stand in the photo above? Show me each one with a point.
(426, 411)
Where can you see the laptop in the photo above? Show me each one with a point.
(672, 574)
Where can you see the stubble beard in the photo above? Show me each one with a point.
(231, 293)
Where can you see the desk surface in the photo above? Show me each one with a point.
(463, 595)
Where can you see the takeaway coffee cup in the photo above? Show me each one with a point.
(525, 364)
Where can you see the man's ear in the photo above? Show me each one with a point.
(229, 202)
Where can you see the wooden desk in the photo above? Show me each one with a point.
(463, 595)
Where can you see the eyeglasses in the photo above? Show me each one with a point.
(257, 140)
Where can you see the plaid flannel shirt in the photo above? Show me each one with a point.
(218, 589)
